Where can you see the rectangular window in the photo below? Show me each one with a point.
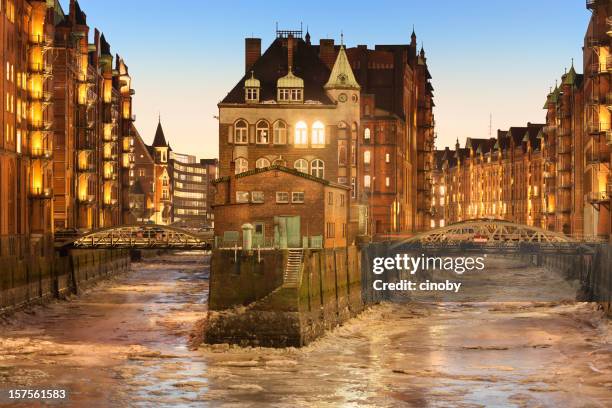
(242, 196)
(330, 198)
(257, 196)
(353, 187)
(141, 173)
(297, 197)
(282, 197)
(387, 158)
(341, 180)
(283, 94)
(387, 182)
(341, 200)
(331, 230)
(366, 181)
(343, 230)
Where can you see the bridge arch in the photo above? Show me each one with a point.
(141, 236)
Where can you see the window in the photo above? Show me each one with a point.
(257, 196)
(296, 94)
(282, 197)
(341, 154)
(242, 196)
(341, 180)
(241, 132)
(353, 187)
(279, 162)
(301, 133)
(280, 132)
(164, 182)
(301, 165)
(441, 223)
(366, 135)
(262, 132)
(318, 133)
(331, 230)
(366, 157)
(283, 94)
(387, 158)
(366, 181)
(164, 194)
(242, 165)
(261, 163)
(341, 200)
(297, 197)
(317, 168)
(252, 94)
(343, 230)
(432, 223)
(330, 198)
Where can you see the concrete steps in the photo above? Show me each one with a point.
(291, 275)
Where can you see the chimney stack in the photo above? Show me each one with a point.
(252, 51)
(327, 54)
(290, 51)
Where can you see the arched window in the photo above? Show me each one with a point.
(301, 165)
(262, 162)
(366, 135)
(279, 162)
(366, 181)
(242, 165)
(366, 157)
(262, 132)
(241, 134)
(301, 133)
(317, 168)
(318, 133)
(280, 133)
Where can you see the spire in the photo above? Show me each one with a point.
(160, 139)
(307, 36)
(422, 52)
(413, 37)
(570, 77)
(342, 76)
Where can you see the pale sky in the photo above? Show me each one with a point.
(485, 57)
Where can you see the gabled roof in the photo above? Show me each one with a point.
(160, 139)
(284, 169)
(273, 64)
(342, 76)
(80, 17)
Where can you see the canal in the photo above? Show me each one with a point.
(127, 342)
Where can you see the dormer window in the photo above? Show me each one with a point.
(290, 88)
(251, 89)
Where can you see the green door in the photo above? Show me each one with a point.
(287, 232)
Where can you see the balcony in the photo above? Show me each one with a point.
(110, 176)
(600, 68)
(40, 39)
(41, 193)
(596, 197)
(110, 203)
(41, 68)
(110, 157)
(42, 154)
(595, 128)
(41, 126)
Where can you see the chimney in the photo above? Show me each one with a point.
(71, 12)
(252, 51)
(290, 51)
(327, 54)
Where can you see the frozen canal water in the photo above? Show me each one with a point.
(125, 343)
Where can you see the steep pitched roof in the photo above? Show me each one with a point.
(160, 139)
(342, 76)
(273, 64)
(104, 46)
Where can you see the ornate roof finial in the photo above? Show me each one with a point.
(572, 61)
(341, 38)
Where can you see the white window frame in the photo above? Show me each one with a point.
(301, 165)
(284, 94)
(295, 197)
(367, 134)
(317, 168)
(262, 130)
(387, 158)
(280, 132)
(257, 197)
(367, 181)
(282, 197)
(241, 134)
(262, 162)
(252, 94)
(367, 157)
(242, 197)
(318, 133)
(301, 133)
(242, 165)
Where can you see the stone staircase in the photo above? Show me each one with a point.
(291, 275)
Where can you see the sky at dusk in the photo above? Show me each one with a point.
(485, 57)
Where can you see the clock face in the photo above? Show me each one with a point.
(342, 78)
(342, 97)
(355, 98)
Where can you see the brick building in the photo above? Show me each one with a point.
(358, 117)
(287, 208)
(142, 194)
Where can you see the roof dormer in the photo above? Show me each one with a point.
(290, 88)
(251, 89)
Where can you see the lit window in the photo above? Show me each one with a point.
(297, 197)
(241, 132)
(366, 181)
(366, 157)
(257, 196)
(242, 165)
(353, 187)
(301, 165)
(432, 223)
(262, 132)
(387, 158)
(387, 181)
(242, 196)
(261, 163)
(441, 223)
(366, 134)
(318, 133)
(317, 168)
(282, 197)
(280, 132)
(301, 133)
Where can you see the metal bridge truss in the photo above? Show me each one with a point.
(142, 236)
(492, 235)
